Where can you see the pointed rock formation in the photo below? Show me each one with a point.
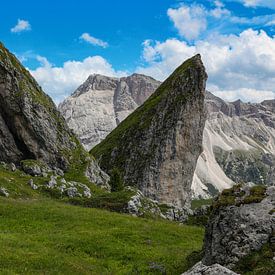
(157, 146)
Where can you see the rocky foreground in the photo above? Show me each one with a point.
(242, 223)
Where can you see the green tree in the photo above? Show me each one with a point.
(116, 181)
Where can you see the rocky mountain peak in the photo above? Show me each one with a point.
(102, 102)
(157, 146)
(96, 82)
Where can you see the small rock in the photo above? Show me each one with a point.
(12, 167)
(72, 192)
(33, 170)
(4, 192)
(44, 175)
(52, 183)
(63, 181)
(58, 172)
(32, 185)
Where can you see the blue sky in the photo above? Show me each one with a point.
(62, 42)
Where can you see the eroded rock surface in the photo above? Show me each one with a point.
(31, 127)
(215, 269)
(102, 102)
(157, 146)
(243, 220)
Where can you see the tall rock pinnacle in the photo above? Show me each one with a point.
(157, 146)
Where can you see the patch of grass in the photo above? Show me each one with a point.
(200, 202)
(114, 201)
(17, 183)
(258, 262)
(48, 237)
(257, 194)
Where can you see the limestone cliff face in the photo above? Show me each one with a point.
(102, 102)
(239, 146)
(30, 125)
(157, 146)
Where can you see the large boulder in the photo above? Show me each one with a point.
(215, 269)
(157, 146)
(242, 221)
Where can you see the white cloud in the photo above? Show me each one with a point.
(22, 25)
(59, 82)
(189, 21)
(245, 94)
(92, 40)
(219, 11)
(233, 62)
(261, 3)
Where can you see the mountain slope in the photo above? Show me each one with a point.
(239, 146)
(31, 127)
(157, 146)
(102, 102)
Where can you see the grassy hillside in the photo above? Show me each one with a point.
(44, 236)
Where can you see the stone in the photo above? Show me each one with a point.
(32, 184)
(13, 167)
(139, 206)
(52, 183)
(236, 230)
(72, 192)
(98, 176)
(33, 169)
(215, 269)
(157, 146)
(4, 192)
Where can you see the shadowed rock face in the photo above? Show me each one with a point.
(30, 125)
(157, 146)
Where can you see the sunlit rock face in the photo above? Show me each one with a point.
(102, 102)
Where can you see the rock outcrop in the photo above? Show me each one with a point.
(157, 146)
(102, 102)
(215, 269)
(31, 127)
(242, 221)
(141, 206)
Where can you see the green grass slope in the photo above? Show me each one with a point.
(44, 236)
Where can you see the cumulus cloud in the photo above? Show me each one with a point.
(92, 40)
(261, 3)
(245, 95)
(233, 62)
(60, 82)
(190, 21)
(22, 25)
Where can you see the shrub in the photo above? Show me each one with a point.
(116, 181)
